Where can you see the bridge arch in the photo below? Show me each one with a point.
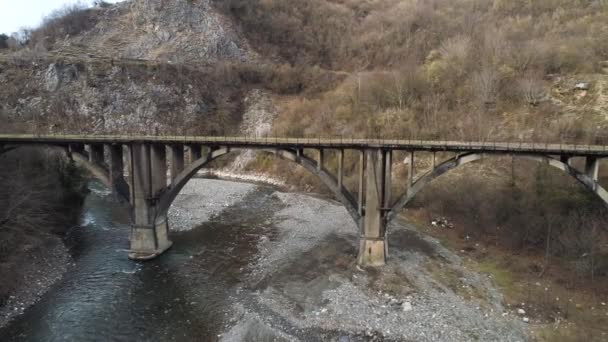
(96, 170)
(466, 158)
(177, 184)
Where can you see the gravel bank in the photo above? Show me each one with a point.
(43, 268)
(304, 282)
(201, 199)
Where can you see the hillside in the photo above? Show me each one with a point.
(472, 70)
(138, 66)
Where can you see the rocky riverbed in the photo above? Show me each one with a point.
(44, 267)
(254, 263)
(303, 282)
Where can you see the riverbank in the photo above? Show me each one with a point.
(41, 200)
(33, 270)
(263, 264)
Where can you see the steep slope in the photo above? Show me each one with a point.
(177, 31)
(138, 66)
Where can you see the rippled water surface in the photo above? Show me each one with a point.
(183, 295)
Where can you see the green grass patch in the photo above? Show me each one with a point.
(500, 276)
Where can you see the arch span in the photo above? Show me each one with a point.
(343, 195)
(467, 158)
(97, 171)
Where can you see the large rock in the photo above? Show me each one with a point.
(58, 74)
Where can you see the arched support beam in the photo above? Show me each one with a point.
(5, 149)
(97, 171)
(177, 184)
(331, 182)
(460, 160)
(326, 177)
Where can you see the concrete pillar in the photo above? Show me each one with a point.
(177, 160)
(158, 162)
(195, 153)
(388, 168)
(372, 246)
(321, 160)
(340, 168)
(361, 182)
(149, 234)
(410, 174)
(120, 188)
(77, 148)
(128, 158)
(96, 154)
(299, 154)
(592, 168)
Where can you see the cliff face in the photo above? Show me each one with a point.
(146, 66)
(177, 31)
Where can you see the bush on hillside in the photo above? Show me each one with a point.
(67, 21)
(4, 41)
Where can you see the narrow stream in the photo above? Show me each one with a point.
(183, 295)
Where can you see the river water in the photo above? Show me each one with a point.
(183, 295)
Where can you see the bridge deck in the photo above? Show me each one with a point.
(337, 143)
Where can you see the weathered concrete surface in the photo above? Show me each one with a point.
(152, 194)
(149, 233)
(372, 247)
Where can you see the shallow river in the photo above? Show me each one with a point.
(106, 297)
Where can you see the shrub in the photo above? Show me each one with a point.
(4, 41)
(68, 21)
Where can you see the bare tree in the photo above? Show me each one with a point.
(485, 83)
(456, 48)
(531, 89)
(549, 222)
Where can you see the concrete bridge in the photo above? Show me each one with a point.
(150, 192)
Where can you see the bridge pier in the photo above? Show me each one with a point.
(120, 188)
(96, 154)
(149, 233)
(195, 152)
(177, 160)
(592, 167)
(372, 243)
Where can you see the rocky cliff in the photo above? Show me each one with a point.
(145, 66)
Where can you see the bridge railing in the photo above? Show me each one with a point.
(335, 141)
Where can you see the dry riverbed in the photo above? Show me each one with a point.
(303, 283)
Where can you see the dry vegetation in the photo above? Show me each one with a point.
(432, 69)
(466, 70)
(422, 69)
(42, 195)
